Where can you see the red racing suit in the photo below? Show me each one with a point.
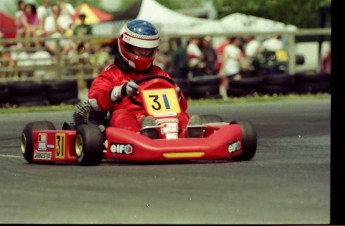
(100, 91)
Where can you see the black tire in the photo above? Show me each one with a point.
(312, 76)
(56, 98)
(211, 118)
(249, 140)
(4, 94)
(185, 91)
(181, 82)
(27, 145)
(206, 80)
(313, 87)
(28, 101)
(238, 92)
(248, 82)
(89, 82)
(203, 91)
(279, 79)
(277, 89)
(89, 145)
(22, 89)
(60, 86)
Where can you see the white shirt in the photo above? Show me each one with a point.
(252, 48)
(232, 65)
(49, 25)
(272, 44)
(195, 54)
(68, 10)
(43, 12)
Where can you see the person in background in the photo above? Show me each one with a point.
(178, 66)
(111, 89)
(18, 18)
(67, 10)
(31, 22)
(55, 26)
(195, 57)
(43, 11)
(210, 56)
(234, 62)
(252, 53)
(272, 44)
(219, 52)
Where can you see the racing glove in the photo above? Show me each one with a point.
(127, 89)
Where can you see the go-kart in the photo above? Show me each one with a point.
(89, 139)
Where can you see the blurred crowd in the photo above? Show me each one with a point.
(52, 19)
(233, 58)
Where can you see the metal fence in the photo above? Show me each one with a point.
(60, 69)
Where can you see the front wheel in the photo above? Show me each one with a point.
(27, 143)
(89, 144)
(249, 140)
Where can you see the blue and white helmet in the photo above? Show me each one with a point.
(139, 33)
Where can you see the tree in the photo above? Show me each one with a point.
(302, 13)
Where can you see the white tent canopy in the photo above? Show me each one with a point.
(167, 21)
(238, 22)
(171, 22)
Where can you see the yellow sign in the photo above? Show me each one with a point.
(281, 55)
(161, 101)
(60, 148)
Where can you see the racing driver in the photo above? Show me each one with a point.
(137, 47)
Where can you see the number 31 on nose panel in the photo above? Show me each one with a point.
(161, 102)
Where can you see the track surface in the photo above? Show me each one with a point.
(287, 182)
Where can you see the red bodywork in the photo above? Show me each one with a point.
(219, 142)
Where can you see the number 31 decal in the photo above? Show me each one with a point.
(157, 106)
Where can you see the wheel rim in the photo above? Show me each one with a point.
(23, 143)
(79, 145)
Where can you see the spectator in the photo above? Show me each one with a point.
(55, 26)
(31, 22)
(252, 48)
(178, 66)
(219, 52)
(233, 64)
(84, 48)
(272, 44)
(210, 57)
(252, 52)
(326, 61)
(18, 18)
(67, 10)
(194, 57)
(43, 11)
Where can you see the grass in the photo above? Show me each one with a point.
(191, 102)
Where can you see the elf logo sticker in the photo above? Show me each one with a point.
(126, 149)
(234, 146)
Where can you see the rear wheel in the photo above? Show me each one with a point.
(249, 140)
(27, 144)
(89, 144)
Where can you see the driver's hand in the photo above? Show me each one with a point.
(127, 89)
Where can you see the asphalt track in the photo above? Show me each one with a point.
(287, 182)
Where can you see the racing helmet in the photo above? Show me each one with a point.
(142, 34)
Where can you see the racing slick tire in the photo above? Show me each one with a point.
(27, 144)
(249, 140)
(89, 145)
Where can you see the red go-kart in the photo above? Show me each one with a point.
(89, 139)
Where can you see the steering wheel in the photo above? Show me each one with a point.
(147, 78)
